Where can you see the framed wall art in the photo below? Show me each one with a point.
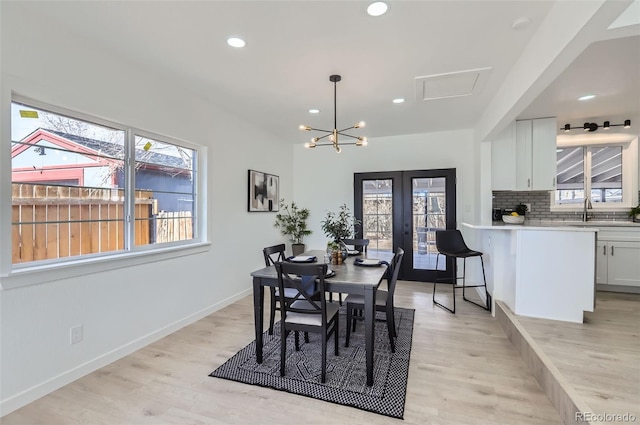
(263, 191)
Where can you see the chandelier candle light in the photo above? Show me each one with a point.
(333, 135)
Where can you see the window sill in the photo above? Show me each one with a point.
(37, 274)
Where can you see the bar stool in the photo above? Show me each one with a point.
(451, 244)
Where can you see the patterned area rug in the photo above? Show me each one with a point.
(346, 373)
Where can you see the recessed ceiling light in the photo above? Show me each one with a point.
(587, 97)
(314, 111)
(521, 23)
(398, 100)
(235, 42)
(377, 8)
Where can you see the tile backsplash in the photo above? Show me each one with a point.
(541, 210)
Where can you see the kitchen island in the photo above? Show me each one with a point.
(540, 270)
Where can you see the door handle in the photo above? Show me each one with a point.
(612, 250)
(604, 250)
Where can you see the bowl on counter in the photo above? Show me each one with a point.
(513, 219)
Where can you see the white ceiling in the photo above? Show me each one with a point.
(293, 47)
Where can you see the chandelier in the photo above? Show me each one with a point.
(332, 136)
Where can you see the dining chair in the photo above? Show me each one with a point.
(358, 244)
(308, 311)
(272, 255)
(450, 243)
(384, 302)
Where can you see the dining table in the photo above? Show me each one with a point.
(349, 279)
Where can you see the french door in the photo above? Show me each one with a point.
(405, 209)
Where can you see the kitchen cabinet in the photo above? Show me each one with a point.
(618, 258)
(523, 156)
(602, 270)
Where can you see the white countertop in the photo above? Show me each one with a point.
(565, 226)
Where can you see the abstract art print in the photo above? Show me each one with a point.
(263, 191)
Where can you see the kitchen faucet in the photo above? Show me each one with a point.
(587, 206)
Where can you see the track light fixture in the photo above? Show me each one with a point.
(591, 126)
(333, 135)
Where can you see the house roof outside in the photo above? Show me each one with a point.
(116, 151)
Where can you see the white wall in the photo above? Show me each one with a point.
(123, 309)
(323, 179)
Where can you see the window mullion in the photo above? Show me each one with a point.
(587, 172)
(130, 192)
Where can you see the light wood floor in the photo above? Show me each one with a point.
(600, 358)
(463, 370)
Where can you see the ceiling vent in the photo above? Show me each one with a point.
(451, 84)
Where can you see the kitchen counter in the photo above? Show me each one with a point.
(558, 224)
(533, 226)
(545, 271)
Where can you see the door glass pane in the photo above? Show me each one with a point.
(377, 215)
(570, 176)
(606, 174)
(429, 207)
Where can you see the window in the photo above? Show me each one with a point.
(603, 172)
(85, 187)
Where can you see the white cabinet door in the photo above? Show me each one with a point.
(523, 159)
(602, 252)
(543, 154)
(503, 155)
(624, 263)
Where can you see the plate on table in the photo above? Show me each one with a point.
(353, 252)
(367, 262)
(302, 259)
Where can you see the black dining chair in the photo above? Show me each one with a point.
(384, 302)
(272, 255)
(450, 243)
(308, 311)
(357, 244)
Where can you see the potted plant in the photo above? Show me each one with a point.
(292, 221)
(338, 227)
(634, 213)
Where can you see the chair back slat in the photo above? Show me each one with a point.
(359, 244)
(394, 270)
(273, 254)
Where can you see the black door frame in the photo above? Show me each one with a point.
(403, 214)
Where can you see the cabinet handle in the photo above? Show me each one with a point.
(528, 182)
(604, 250)
(612, 250)
(553, 182)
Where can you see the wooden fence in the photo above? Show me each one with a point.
(174, 226)
(51, 221)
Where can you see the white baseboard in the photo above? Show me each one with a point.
(27, 396)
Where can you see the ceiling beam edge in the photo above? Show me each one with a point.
(566, 31)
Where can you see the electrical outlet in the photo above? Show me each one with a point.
(528, 207)
(75, 334)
